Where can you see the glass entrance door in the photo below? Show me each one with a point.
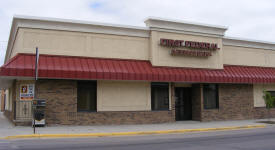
(183, 102)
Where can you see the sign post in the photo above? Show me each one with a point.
(36, 78)
(36, 63)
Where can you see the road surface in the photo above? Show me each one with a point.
(252, 139)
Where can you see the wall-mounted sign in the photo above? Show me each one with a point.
(189, 48)
(26, 91)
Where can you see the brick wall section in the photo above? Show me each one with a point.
(61, 99)
(196, 102)
(61, 108)
(261, 112)
(2, 93)
(235, 103)
(173, 104)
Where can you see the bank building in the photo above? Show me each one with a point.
(93, 73)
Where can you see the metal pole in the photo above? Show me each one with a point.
(36, 64)
(33, 121)
(36, 78)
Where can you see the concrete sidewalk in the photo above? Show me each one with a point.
(7, 129)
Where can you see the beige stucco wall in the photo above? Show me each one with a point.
(80, 44)
(258, 93)
(126, 47)
(234, 55)
(8, 102)
(160, 56)
(123, 96)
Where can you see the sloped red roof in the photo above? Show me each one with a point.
(70, 67)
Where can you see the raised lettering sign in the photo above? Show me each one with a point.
(189, 48)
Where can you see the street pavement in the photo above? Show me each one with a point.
(7, 129)
(255, 139)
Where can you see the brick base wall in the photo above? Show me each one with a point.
(61, 108)
(196, 102)
(236, 102)
(108, 118)
(261, 113)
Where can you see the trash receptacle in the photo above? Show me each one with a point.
(38, 106)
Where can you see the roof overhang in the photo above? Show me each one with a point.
(168, 25)
(248, 43)
(87, 68)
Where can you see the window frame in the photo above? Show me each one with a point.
(160, 85)
(270, 91)
(216, 96)
(92, 84)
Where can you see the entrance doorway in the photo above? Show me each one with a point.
(183, 101)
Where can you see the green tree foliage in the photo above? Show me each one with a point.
(269, 99)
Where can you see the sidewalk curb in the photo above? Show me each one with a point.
(132, 133)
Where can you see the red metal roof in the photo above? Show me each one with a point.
(69, 67)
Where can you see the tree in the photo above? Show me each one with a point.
(269, 102)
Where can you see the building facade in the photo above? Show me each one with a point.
(93, 73)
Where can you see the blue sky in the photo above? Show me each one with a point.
(252, 19)
(96, 5)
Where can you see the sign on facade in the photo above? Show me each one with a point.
(189, 48)
(26, 91)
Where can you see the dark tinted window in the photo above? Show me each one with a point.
(272, 94)
(160, 96)
(86, 95)
(210, 96)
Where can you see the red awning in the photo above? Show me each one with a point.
(69, 67)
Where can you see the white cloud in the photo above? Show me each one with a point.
(245, 18)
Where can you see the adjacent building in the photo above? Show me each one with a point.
(94, 73)
(2, 100)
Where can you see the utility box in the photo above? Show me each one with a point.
(38, 107)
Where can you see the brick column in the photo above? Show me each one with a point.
(173, 105)
(196, 102)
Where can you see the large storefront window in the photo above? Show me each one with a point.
(210, 96)
(160, 96)
(86, 95)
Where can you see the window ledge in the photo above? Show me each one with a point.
(160, 110)
(86, 111)
(211, 109)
